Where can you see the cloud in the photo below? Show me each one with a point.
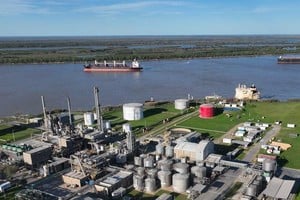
(126, 7)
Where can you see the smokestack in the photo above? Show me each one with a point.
(44, 111)
(98, 112)
(69, 109)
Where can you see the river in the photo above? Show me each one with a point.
(22, 85)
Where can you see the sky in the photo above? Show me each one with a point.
(148, 17)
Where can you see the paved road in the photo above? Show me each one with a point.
(255, 149)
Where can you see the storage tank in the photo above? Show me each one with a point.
(269, 165)
(206, 111)
(165, 178)
(140, 171)
(152, 173)
(199, 172)
(88, 118)
(180, 182)
(133, 111)
(107, 125)
(160, 149)
(165, 165)
(251, 190)
(126, 128)
(181, 104)
(149, 162)
(181, 168)
(138, 161)
(138, 182)
(150, 185)
(169, 151)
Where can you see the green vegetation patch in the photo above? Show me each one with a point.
(9, 133)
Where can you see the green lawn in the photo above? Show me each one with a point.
(9, 133)
(140, 195)
(152, 116)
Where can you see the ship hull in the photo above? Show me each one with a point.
(288, 60)
(107, 69)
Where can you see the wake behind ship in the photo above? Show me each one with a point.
(113, 67)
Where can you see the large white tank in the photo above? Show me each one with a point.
(138, 182)
(199, 172)
(138, 161)
(169, 151)
(133, 111)
(165, 165)
(181, 104)
(152, 173)
(269, 165)
(149, 162)
(160, 149)
(150, 185)
(181, 168)
(88, 118)
(180, 182)
(165, 178)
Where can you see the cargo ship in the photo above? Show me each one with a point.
(288, 60)
(112, 66)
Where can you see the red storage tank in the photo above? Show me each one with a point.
(206, 111)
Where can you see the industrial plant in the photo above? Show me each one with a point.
(86, 156)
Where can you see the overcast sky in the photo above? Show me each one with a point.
(148, 17)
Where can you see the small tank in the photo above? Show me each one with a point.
(165, 165)
(258, 185)
(138, 182)
(138, 161)
(169, 151)
(152, 173)
(160, 149)
(251, 190)
(180, 182)
(140, 171)
(199, 172)
(269, 165)
(165, 178)
(182, 168)
(149, 162)
(150, 185)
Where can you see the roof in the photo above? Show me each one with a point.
(116, 178)
(38, 149)
(76, 175)
(279, 188)
(190, 146)
(133, 105)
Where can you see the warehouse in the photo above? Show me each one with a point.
(37, 156)
(279, 188)
(194, 151)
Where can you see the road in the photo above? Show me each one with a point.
(255, 149)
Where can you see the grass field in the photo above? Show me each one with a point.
(140, 195)
(9, 133)
(268, 112)
(152, 116)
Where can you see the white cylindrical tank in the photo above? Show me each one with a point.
(133, 111)
(152, 173)
(165, 178)
(138, 182)
(138, 161)
(107, 125)
(88, 118)
(141, 171)
(165, 165)
(199, 172)
(269, 165)
(150, 185)
(160, 149)
(169, 151)
(182, 168)
(126, 128)
(180, 182)
(181, 104)
(149, 162)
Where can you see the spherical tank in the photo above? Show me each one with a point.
(269, 165)
(199, 172)
(180, 182)
(251, 190)
(138, 161)
(150, 185)
(138, 182)
(133, 111)
(169, 151)
(165, 178)
(206, 111)
(149, 162)
(88, 118)
(181, 168)
(181, 104)
(160, 149)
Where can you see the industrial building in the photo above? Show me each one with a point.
(76, 179)
(279, 188)
(194, 151)
(37, 156)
